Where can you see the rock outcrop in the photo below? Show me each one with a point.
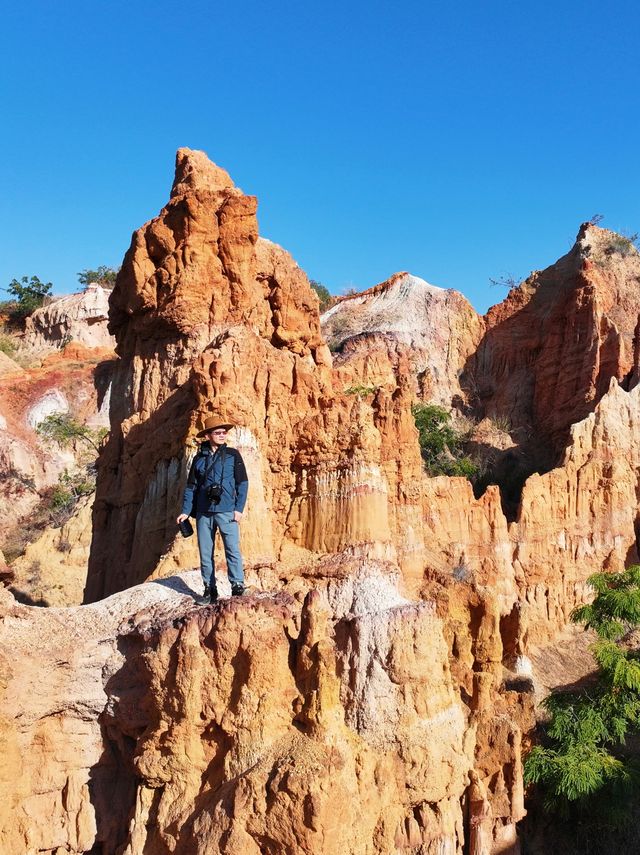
(53, 569)
(329, 470)
(251, 726)
(75, 380)
(207, 317)
(81, 317)
(572, 521)
(552, 347)
(405, 324)
(372, 692)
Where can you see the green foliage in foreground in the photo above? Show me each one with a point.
(441, 445)
(583, 754)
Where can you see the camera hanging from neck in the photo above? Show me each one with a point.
(214, 492)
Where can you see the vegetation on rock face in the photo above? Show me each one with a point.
(65, 495)
(338, 330)
(506, 280)
(56, 506)
(326, 299)
(104, 276)
(616, 245)
(360, 390)
(65, 430)
(441, 445)
(583, 767)
(59, 502)
(8, 344)
(622, 245)
(27, 294)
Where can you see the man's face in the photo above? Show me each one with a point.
(217, 436)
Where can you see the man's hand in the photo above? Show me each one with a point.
(237, 516)
(182, 517)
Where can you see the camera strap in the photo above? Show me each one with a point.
(212, 463)
(223, 453)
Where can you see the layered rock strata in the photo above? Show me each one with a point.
(79, 317)
(405, 323)
(235, 329)
(253, 726)
(75, 381)
(552, 347)
(210, 318)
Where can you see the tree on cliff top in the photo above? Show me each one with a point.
(104, 276)
(582, 767)
(28, 294)
(326, 300)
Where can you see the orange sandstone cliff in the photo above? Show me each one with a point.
(406, 323)
(552, 347)
(374, 691)
(75, 381)
(210, 318)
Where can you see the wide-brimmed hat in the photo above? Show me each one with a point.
(214, 422)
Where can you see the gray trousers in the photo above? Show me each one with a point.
(206, 526)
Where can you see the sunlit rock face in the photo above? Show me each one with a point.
(79, 317)
(256, 725)
(552, 347)
(385, 713)
(405, 324)
(75, 381)
(207, 318)
(53, 569)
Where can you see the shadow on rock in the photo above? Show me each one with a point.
(177, 584)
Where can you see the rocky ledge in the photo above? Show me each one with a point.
(260, 724)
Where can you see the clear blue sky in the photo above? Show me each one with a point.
(457, 141)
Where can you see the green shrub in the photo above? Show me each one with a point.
(360, 390)
(63, 429)
(7, 344)
(29, 295)
(66, 494)
(465, 466)
(621, 245)
(104, 276)
(582, 764)
(325, 297)
(441, 445)
(69, 489)
(56, 506)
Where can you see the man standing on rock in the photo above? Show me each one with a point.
(215, 495)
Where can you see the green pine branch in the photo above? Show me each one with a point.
(581, 756)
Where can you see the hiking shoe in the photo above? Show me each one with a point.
(210, 595)
(237, 589)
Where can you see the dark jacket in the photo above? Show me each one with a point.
(206, 470)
